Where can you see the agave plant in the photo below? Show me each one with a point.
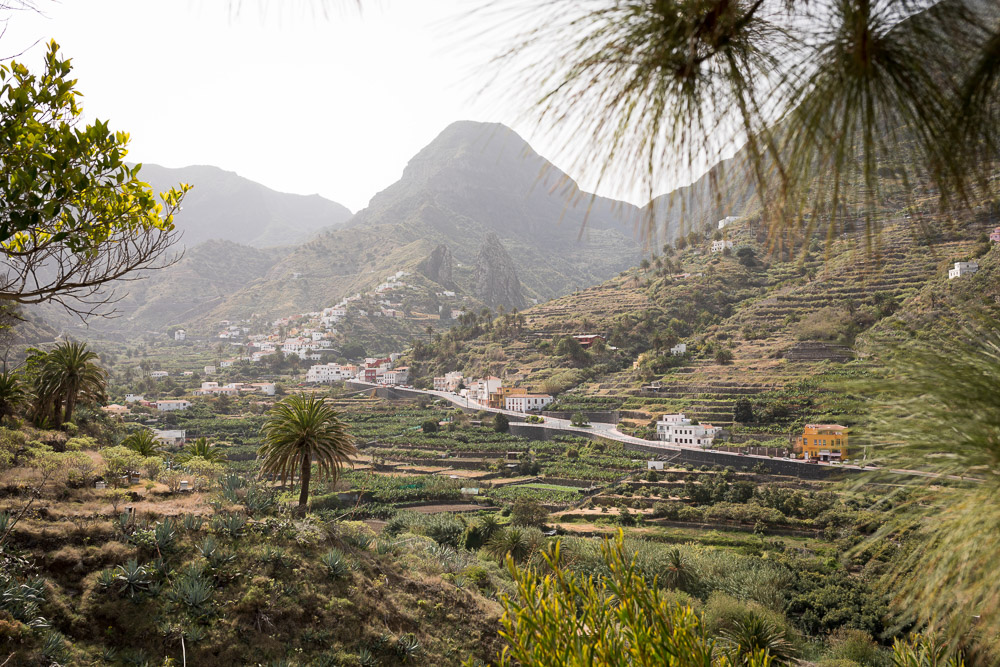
(106, 579)
(54, 648)
(407, 647)
(165, 535)
(132, 578)
(335, 563)
(193, 590)
(367, 659)
(230, 524)
(23, 601)
(192, 522)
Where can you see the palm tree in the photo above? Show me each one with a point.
(301, 430)
(821, 93)
(67, 375)
(143, 442)
(12, 394)
(201, 448)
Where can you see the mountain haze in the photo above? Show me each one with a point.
(223, 205)
(474, 179)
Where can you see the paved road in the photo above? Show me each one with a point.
(610, 431)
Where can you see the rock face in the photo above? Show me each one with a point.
(438, 266)
(496, 279)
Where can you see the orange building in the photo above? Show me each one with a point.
(824, 442)
(498, 398)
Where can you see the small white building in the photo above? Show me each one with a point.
(655, 465)
(719, 246)
(326, 373)
(134, 398)
(172, 405)
(677, 429)
(728, 220)
(171, 438)
(527, 402)
(158, 374)
(963, 269)
(180, 334)
(266, 388)
(679, 349)
(209, 370)
(448, 382)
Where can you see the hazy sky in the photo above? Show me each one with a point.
(277, 93)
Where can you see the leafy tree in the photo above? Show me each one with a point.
(201, 448)
(301, 430)
(500, 423)
(528, 512)
(429, 426)
(579, 419)
(743, 411)
(723, 356)
(69, 204)
(746, 256)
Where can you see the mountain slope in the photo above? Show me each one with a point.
(472, 180)
(223, 205)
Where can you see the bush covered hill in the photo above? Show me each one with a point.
(766, 328)
(394, 564)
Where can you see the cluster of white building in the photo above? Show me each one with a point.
(235, 388)
(677, 429)
(490, 392)
(377, 370)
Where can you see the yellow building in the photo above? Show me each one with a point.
(498, 398)
(823, 442)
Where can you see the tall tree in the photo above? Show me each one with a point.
(74, 216)
(301, 430)
(69, 372)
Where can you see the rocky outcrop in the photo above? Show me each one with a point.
(496, 279)
(438, 266)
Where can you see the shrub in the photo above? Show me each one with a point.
(858, 647)
(500, 423)
(429, 426)
(528, 512)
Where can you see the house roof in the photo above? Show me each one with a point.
(827, 426)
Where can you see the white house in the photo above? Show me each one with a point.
(527, 402)
(266, 388)
(719, 246)
(448, 382)
(180, 334)
(679, 349)
(171, 405)
(158, 374)
(134, 398)
(326, 373)
(170, 437)
(679, 430)
(399, 375)
(963, 269)
(655, 465)
(209, 370)
(227, 363)
(729, 219)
